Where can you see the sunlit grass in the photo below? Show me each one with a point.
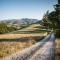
(57, 50)
(58, 45)
(8, 48)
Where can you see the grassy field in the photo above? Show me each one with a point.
(18, 40)
(7, 48)
(16, 36)
(34, 28)
(11, 46)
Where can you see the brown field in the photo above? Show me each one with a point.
(11, 45)
(7, 48)
(12, 36)
(57, 51)
(58, 45)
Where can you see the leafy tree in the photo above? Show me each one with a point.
(46, 21)
(5, 29)
(54, 20)
(54, 17)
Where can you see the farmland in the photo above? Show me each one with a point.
(31, 29)
(8, 48)
(15, 41)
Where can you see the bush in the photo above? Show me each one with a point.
(58, 33)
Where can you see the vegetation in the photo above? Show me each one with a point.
(10, 47)
(45, 19)
(31, 29)
(5, 29)
(52, 20)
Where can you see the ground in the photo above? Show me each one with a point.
(18, 40)
(7, 47)
(57, 51)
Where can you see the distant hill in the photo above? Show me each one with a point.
(20, 21)
(39, 22)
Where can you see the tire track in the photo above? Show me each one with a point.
(46, 52)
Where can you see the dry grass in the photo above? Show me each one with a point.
(13, 36)
(57, 51)
(58, 45)
(7, 48)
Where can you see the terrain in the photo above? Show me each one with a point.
(57, 51)
(20, 39)
(22, 21)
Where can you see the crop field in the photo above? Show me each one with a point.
(7, 47)
(16, 36)
(13, 42)
(11, 46)
(34, 28)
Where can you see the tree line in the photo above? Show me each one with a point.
(51, 20)
(5, 29)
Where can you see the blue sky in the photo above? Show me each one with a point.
(17, 9)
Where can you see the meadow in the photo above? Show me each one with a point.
(11, 46)
(15, 41)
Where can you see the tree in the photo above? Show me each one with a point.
(46, 21)
(3, 28)
(54, 17)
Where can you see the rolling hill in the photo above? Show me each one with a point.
(20, 21)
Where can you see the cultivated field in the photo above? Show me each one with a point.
(15, 36)
(7, 47)
(31, 29)
(18, 40)
(12, 45)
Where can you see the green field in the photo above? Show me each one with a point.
(34, 28)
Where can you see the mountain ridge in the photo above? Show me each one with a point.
(20, 21)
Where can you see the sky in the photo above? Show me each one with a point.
(18, 9)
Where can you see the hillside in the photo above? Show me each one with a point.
(20, 21)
